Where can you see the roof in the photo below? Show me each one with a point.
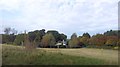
(59, 44)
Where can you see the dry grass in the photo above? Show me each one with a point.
(110, 56)
(16, 55)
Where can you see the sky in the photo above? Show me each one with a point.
(65, 16)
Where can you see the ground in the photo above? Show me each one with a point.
(111, 56)
(58, 56)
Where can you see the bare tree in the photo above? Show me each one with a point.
(7, 30)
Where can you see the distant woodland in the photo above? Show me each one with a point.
(49, 39)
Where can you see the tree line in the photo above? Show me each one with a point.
(40, 38)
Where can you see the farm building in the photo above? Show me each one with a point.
(61, 43)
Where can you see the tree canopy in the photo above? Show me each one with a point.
(40, 38)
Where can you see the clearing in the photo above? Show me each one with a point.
(111, 56)
(58, 56)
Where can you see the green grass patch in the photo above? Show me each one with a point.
(13, 55)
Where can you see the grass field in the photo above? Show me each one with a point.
(16, 55)
(110, 56)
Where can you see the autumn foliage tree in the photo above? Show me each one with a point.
(73, 42)
(48, 40)
(98, 40)
(84, 40)
(40, 38)
(111, 40)
(28, 45)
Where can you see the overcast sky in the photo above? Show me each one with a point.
(65, 16)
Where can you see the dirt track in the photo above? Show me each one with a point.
(110, 56)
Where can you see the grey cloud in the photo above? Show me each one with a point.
(67, 16)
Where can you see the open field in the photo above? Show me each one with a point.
(111, 56)
(49, 56)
